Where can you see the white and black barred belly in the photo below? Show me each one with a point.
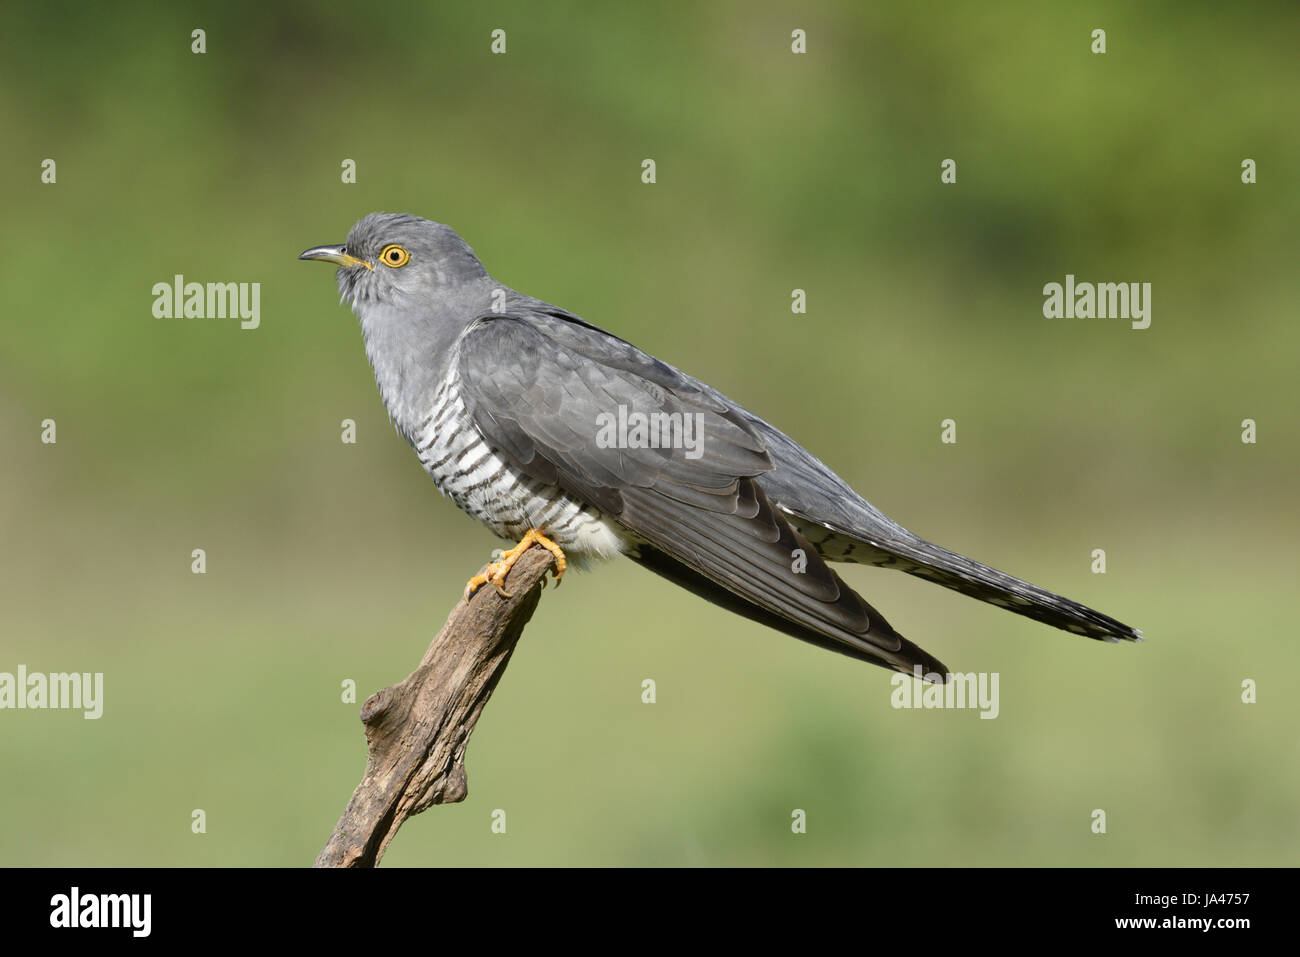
(485, 485)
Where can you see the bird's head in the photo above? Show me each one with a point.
(397, 259)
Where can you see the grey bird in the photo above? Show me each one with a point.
(551, 430)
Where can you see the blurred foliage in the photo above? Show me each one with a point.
(328, 561)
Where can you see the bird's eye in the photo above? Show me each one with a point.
(394, 255)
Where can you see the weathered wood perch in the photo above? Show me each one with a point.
(417, 730)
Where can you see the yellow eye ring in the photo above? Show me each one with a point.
(394, 255)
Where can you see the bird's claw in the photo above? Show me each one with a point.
(497, 570)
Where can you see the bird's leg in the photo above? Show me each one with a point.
(496, 571)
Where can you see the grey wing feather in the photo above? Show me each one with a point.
(844, 526)
(535, 384)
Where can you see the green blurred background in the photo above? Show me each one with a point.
(329, 561)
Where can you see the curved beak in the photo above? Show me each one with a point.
(334, 254)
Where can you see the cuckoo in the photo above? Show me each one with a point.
(550, 430)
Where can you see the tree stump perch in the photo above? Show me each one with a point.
(417, 730)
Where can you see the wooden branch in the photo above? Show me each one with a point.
(417, 730)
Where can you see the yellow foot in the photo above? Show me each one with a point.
(497, 571)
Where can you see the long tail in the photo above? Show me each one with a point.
(937, 564)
